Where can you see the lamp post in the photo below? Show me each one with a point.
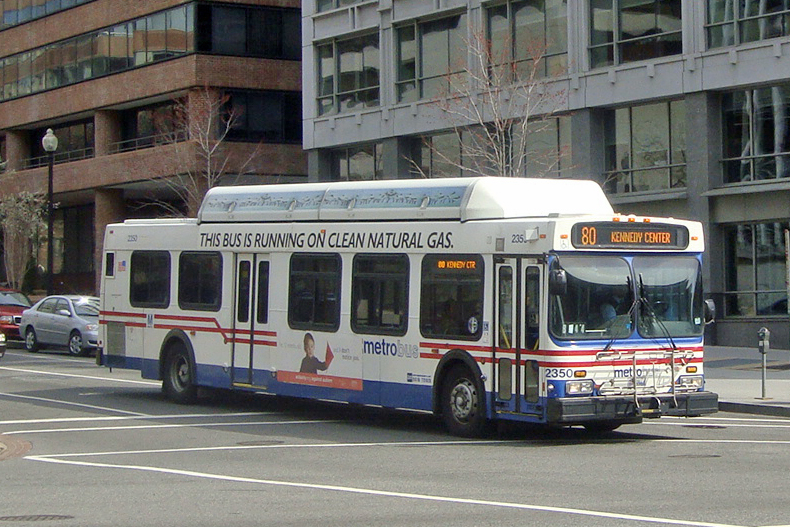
(50, 144)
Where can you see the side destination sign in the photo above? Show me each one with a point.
(614, 235)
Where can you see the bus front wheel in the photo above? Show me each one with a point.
(463, 403)
(179, 376)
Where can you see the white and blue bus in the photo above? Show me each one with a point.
(479, 299)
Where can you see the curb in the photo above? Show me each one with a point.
(757, 409)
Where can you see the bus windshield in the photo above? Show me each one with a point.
(599, 300)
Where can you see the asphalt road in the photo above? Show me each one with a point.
(85, 446)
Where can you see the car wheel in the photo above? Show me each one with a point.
(31, 341)
(178, 381)
(75, 344)
(462, 403)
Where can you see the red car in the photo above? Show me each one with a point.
(12, 303)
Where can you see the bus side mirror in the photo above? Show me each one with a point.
(710, 311)
(558, 282)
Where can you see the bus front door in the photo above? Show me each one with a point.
(252, 338)
(516, 330)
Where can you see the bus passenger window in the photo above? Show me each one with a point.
(149, 279)
(200, 281)
(109, 265)
(262, 306)
(314, 292)
(532, 321)
(380, 293)
(451, 296)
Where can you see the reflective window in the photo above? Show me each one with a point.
(348, 74)
(756, 134)
(200, 281)
(359, 163)
(755, 270)
(149, 279)
(267, 116)
(432, 56)
(624, 31)
(14, 12)
(646, 148)
(326, 5)
(730, 23)
(451, 296)
(530, 37)
(380, 294)
(314, 292)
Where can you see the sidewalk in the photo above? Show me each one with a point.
(736, 375)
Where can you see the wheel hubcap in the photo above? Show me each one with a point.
(181, 373)
(462, 400)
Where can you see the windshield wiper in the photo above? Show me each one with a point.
(651, 312)
(618, 323)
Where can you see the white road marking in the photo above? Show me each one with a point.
(129, 417)
(384, 493)
(150, 427)
(69, 403)
(73, 375)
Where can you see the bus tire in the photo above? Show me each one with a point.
(462, 403)
(178, 381)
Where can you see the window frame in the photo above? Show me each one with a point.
(322, 284)
(392, 280)
(164, 264)
(459, 281)
(199, 276)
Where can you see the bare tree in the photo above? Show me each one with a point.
(198, 129)
(22, 220)
(499, 108)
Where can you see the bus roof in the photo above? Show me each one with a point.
(464, 199)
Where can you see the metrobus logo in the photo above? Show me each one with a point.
(391, 349)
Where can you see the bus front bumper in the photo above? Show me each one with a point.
(579, 410)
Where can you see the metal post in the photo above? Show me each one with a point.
(50, 228)
(764, 346)
(50, 144)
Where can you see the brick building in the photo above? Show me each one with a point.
(110, 76)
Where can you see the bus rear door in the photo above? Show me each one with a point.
(516, 330)
(252, 338)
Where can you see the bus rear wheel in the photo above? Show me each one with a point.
(462, 403)
(178, 381)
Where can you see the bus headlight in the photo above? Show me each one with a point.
(584, 387)
(691, 382)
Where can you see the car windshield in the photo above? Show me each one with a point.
(599, 298)
(13, 298)
(87, 308)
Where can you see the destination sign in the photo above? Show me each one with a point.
(614, 235)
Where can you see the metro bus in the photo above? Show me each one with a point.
(478, 299)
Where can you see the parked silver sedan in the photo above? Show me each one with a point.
(62, 320)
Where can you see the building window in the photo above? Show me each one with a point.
(756, 134)
(359, 163)
(646, 148)
(135, 43)
(348, 74)
(15, 12)
(75, 141)
(200, 281)
(630, 30)
(451, 297)
(545, 152)
(380, 294)
(431, 57)
(268, 32)
(73, 251)
(149, 280)
(326, 5)
(314, 292)
(523, 31)
(731, 23)
(755, 269)
(266, 116)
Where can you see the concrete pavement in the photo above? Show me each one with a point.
(735, 374)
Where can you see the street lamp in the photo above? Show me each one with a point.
(50, 144)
